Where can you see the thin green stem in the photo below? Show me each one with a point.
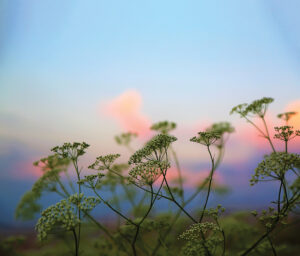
(76, 242)
(174, 200)
(272, 246)
(209, 184)
(112, 208)
(223, 235)
(190, 199)
(75, 163)
(140, 187)
(142, 220)
(281, 211)
(268, 134)
(180, 179)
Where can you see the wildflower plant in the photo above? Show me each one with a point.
(71, 150)
(275, 166)
(256, 108)
(125, 139)
(63, 215)
(155, 149)
(146, 173)
(143, 180)
(206, 138)
(164, 127)
(104, 162)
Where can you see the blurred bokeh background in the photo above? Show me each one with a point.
(89, 70)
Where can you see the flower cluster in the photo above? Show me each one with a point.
(195, 245)
(104, 162)
(256, 108)
(153, 148)
(62, 215)
(83, 203)
(164, 127)
(125, 138)
(195, 230)
(214, 212)
(71, 150)
(221, 128)
(206, 138)
(147, 173)
(286, 116)
(285, 133)
(52, 162)
(269, 217)
(275, 165)
(91, 181)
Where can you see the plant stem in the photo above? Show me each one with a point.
(174, 200)
(139, 224)
(112, 208)
(75, 163)
(272, 246)
(209, 185)
(268, 134)
(179, 172)
(190, 199)
(76, 242)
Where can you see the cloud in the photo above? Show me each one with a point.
(126, 110)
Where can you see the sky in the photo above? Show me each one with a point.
(88, 70)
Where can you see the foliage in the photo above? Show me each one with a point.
(143, 180)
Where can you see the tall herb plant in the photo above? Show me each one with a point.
(143, 180)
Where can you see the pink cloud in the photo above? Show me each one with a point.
(126, 110)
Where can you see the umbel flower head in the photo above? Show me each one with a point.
(206, 138)
(275, 165)
(153, 149)
(147, 173)
(62, 215)
(71, 150)
(125, 138)
(285, 133)
(256, 108)
(286, 116)
(91, 181)
(195, 230)
(104, 162)
(164, 127)
(194, 238)
(52, 162)
(221, 128)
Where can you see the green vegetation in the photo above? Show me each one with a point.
(71, 227)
